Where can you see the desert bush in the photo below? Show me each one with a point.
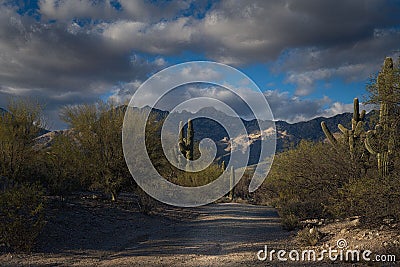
(200, 178)
(316, 181)
(21, 216)
(304, 181)
(66, 169)
(374, 199)
(99, 133)
(20, 125)
(289, 221)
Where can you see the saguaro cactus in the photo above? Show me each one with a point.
(223, 166)
(186, 144)
(352, 135)
(354, 139)
(381, 141)
(231, 182)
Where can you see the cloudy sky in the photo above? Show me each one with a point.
(310, 58)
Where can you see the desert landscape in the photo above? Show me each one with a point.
(199, 133)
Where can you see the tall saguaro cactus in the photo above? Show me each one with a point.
(353, 135)
(381, 141)
(186, 143)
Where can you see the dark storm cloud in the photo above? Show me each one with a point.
(60, 63)
(64, 61)
(53, 56)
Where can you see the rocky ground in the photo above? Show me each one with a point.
(87, 231)
(383, 241)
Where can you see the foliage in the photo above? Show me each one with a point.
(66, 168)
(99, 133)
(20, 125)
(21, 216)
(290, 221)
(154, 147)
(309, 172)
(373, 199)
(192, 179)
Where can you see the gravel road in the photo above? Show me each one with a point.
(89, 233)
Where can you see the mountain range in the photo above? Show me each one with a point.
(287, 134)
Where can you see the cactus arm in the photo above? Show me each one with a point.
(359, 128)
(362, 115)
(328, 134)
(356, 110)
(368, 140)
(391, 144)
(353, 138)
(342, 129)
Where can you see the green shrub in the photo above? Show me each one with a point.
(98, 129)
(200, 178)
(21, 216)
(19, 126)
(304, 181)
(370, 197)
(316, 181)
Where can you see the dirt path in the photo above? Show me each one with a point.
(89, 233)
(219, 229)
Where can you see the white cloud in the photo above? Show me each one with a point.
(305, 80)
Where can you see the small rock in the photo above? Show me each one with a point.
(355, 222)
(343, 231)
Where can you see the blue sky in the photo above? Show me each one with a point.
(310, 58)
